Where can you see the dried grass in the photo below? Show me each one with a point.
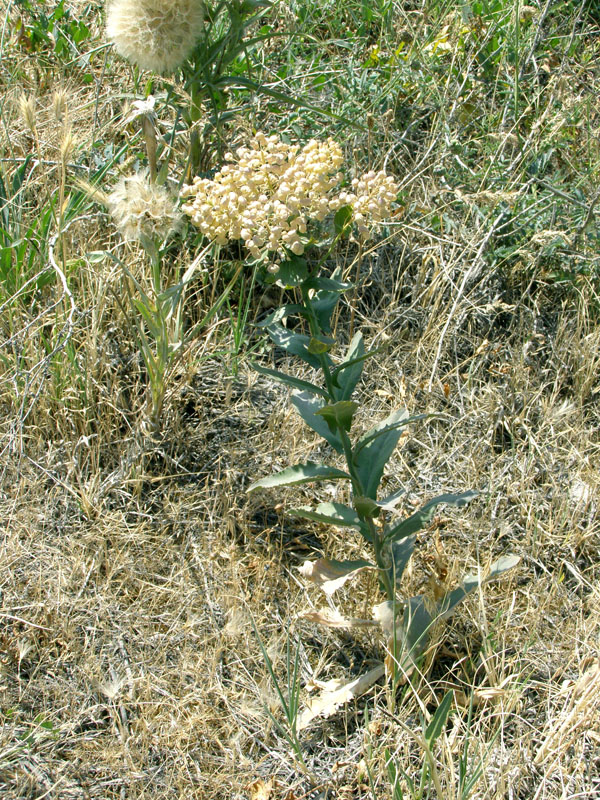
(132, 570)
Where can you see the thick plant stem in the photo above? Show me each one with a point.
(357, 487)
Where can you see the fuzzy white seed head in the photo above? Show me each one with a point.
(156, 35)
(141, 209)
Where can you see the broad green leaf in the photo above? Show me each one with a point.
(294, 343)
(333, 514)
(366, 507)
(307, 405)
(409, 637)
(448, 604)
(391, 501)
(439, 719)
(281, 313)
(289, 380)
(338, 416)
(348, 373)
(386, 426)
(326, 297)
(292, 272)
(412, 634)
(342, 219)
(372, 452)
(320, 283)
(424, 515)
(300, 473)
(401, 552)
(347, 364)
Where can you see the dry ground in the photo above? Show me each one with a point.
(136, 572)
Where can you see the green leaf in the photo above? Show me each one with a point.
(414, 628)
(299, 473)
(439, 719)
(391, 501)
(338, 416)
(289, 380)
(307, 405)
(292, 272)
(295, 344)
(372, 452)
(320, 283)
(332, 514)
(424, 515)
(281, 313)
(348, 373)
(342, 219)
(366, 508)
(347, 364)
(386, 426)
(401, 552)
(326, 297)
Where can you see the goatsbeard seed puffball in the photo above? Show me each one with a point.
(157, 35)
(141, 209)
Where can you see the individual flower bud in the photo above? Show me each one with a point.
(155, 34)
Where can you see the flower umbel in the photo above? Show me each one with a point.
(268, 193)
(265, 194)
(141, 209)
(157, 35)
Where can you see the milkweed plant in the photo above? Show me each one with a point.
(277, 199)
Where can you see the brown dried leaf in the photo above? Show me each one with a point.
(331, 575)
(262, 790)
(333, 619)
(330, 700)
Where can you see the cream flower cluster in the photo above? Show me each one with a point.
(141, 209)
(157, 35)
(268, 192)
(371, 199)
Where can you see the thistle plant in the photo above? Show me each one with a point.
(276, 198)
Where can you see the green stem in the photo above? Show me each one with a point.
(357, 487)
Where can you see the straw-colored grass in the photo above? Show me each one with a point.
(134, 569)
